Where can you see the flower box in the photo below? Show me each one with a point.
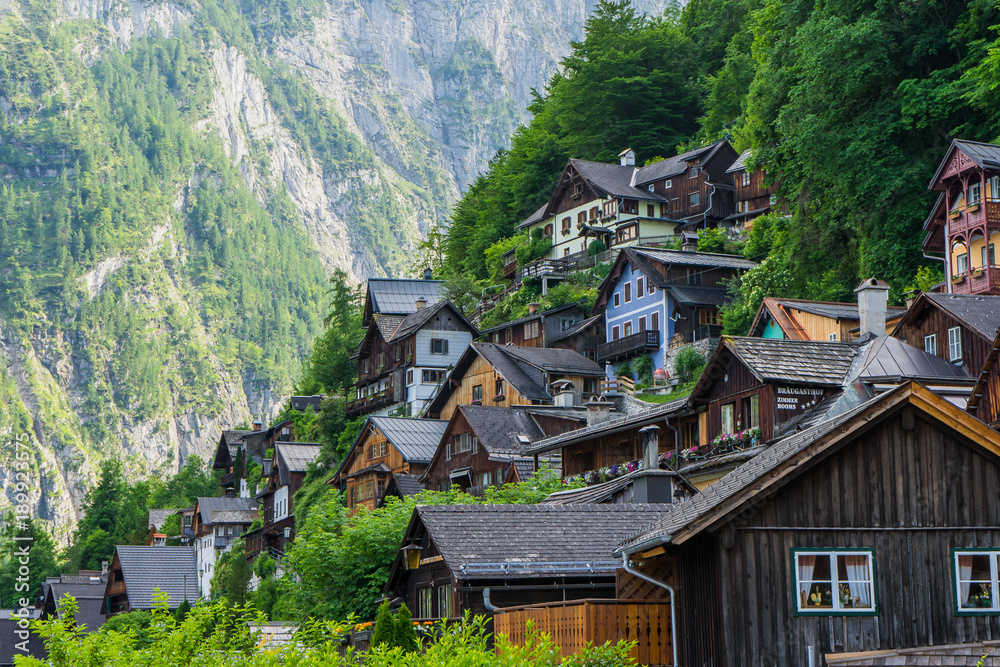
(975, 273)
(478, 401)
(972, 208)
(957, 280)
(499, 397)
(954, 214)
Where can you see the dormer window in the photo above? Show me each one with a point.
(975, 193)
(694, 172)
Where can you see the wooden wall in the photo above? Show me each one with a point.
(975, 347)
(601, 451)
(908, 489)
(757, 195)
(988, 410)
(393, 459)
(480, 372)
(438, 477)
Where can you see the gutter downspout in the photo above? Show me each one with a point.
(486, 601)
(711, 203)
(673, 598)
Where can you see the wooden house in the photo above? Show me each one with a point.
(752, 194)
(959, 328)
(622, 204)
(800, 319)
(218, 522)
(403, 359)
(868, 535)
(389, 451)
(136, 573)
(984, 402)
(963, 227)
(253, 445)
(479, 446)
(654, 300)
(86, 587)
(458, 558)
(507, 375)
(565, 328)
(286, 474)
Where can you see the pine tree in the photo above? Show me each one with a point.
(406, 635)
(385, 627)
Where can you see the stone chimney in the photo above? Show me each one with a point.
(873, 304)
(564, 393)
(689, 242)
(532, 307)
(650, 447)
(428, 274)
(598, 410)
(421, 303)
(627, 157)
(258, 425)
(104, 568)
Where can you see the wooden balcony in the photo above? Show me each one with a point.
(371, 403)
(576, 623)
(987, 282)
(970, 220)
(629, 346)
(227, 480)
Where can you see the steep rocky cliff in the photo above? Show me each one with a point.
(367, 118)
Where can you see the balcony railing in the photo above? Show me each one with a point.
(372, 402)
(700, 332)
(227, 480)
(637, 343)
(977, 281)
(576, 623)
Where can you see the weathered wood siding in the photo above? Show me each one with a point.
(481, 373)
(438, 477)
(933, 320)
(988, 409)
(910, 495)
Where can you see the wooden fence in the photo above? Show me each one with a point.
(574, 624)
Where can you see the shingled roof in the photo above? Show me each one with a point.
(980, 312)
(416, 320)
(502, 431)
(615, 180)
(173, 570)
(794, 361)
(985, 156)
(527, 541)
(740, 163)
(416, 439)
(157, 517)
(676, 165)
(207, 507)
(626, 422)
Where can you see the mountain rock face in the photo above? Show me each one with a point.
(370, 115)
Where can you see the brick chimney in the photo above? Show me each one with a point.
(421, 303)
(873, 305)
(532, 307)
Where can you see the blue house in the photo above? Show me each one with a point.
(656, 299)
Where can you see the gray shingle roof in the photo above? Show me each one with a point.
(681, 257)
(173, 570)
(740, 163)
(387, 324)
(399, 297)
(702, 296)
(157, 517)
(529, 318)
(537, 216)
(296, 455)
(984, 155)
(597, 493)
(982, 313)
(235, 516)
(207, 507)
(574, 329)
(233, 438)
(613, 179)
(498, 428)
(554, 360)
(796, 361)
(416, 320)
(681, 514)
(634, 420)
(674, 166)
(416, 439)
(834, 311)
(409, 485)
(477, 541)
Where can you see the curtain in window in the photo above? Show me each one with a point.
(858, 578)
(806, 566)
(964, 575)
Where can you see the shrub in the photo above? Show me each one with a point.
(643, 367)
(596, 248)
(385, 627)
(406, 636)
(688, 363)
(625, 370)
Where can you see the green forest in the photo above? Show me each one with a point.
(848, 104)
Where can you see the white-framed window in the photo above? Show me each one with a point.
(834, 581)
(954, 344)
(962, 263)
(444, 601)
(409, 376)
(627, 328)
(439, 346)
(425, 598)
(642, 323)
(639, 288)
(728, 418)
(694, 172)
(975, 191)
(431, 376)
(650, 187)
(667, 184)
(989, 255)
(930, 344)
(746, 179)
(975, 576)
(628, 292)
(993, 188)
(695, 198)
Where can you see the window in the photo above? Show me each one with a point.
(425, 598)
(364, 366)
(431, 376)
(465, 443)
(664, 209)
(642, 324)
(581, 218)
(975, 192)
(498, 387)
(566, 223)
(444, 601)
(728, 419)
(650, 209)
(989, 255)
(409, 348)
(627, 328)
(993, 188)
(509, 335)
(975, 577)
(628, 292)
(667, 184)
(695, 198)
(475, 444)
(930, 344)
(650, 187)
(630, 206)
(377, 450)
(614, 333)
(447, 452)
(409, 376)
(694, 172)
(577, 189)
(477, 392)
(834, 582)
(618, 300)
(398, 353)
(954, 344)
(751, 412)
(693, 276)
(531, 330)
(639, 284)
(832, 337)
(439, 346)
(654, 321)
(649, 287)
(746, 179)
(565, 252)
(548, 230)
(380, 359)
(595, 213)
(708, 316)
(962, 262)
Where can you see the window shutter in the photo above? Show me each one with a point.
(475, 445)
(444, 346)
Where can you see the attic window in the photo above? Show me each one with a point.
(694, 172)
(834, 582)
(650, 187)
(667, 184)
(746, 179)
(578, 189)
